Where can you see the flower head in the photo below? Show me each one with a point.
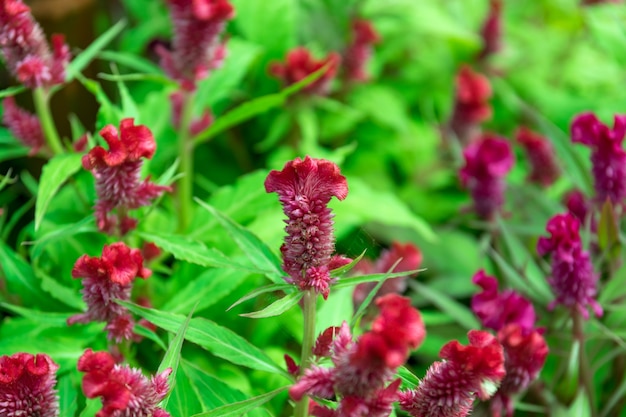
(471, 106)
(491, 31)
(117, 175)
(300, 64)
(578, 205)
(25, 50)
(487, 161)
(450, 387)
(124, 391)
(544, 169)
(304, 188)
(359, 51)
(27, 386)
(23, 125)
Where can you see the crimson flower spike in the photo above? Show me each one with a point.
(491, 31)
(27, 386)
(359, 51)
(304, 188)
(544, 168)
(300, 64)
(23, 125)
(471, 105)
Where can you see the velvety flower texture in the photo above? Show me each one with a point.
(117, 175)
(497, 309)
(362, 369)
(105, 279)
(304, 188)
(359, 51)
(607, 155)
(573, 280)
(196, 47)
(300, 64)
(125, 391)
(487, 161)
(450, 387)
(544, 169)
(26, 52)
(410, 258)
(491, 32)
(471, 106)
(23, 125)
(27, 386)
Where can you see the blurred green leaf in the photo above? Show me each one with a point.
(608, 233)
(11, 91)
(459, 312)
(68, 396)
(277, 307)
(242, 407)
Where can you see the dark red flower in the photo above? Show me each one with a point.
(471, 105)
(117, 175)
(450, 387)
(578, 205)
(304, 188)
(23, 125)
(491, 31)
(540, 154)
(124, 391)
(27, 386)
(300, 64)
(359, 51)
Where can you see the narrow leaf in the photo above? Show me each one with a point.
(171, 359)
(453, 308)
(342, 270)
(278, 307)
(262, 290)
(184, 400)
(348, 282)
(42, 317)
(11, 91)
(242, 407)
(608, 233)
(212, 392)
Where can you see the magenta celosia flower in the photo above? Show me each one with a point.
(196, 47)
(27, 386)
(361, 378)
(525, 353)
(304, 188)
(300, 64)
(491, 32)
(26, 52)
(124, 391)
(450, 387)
(487, 161)
(23, 125)
(607, 155)
(573, 280)
(117, 175)
(497, 309)
(544, 168)
(359, 51)
(106, 279)
(471, 106)
(198, 125)
(578, 205)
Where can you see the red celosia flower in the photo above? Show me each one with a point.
(300, 64)
(579, 206)
(105, 279)
(410, 258)
(27, 386)
(471, 106)
(23, 125)
(607, 155)
(26, 52)
(117, 175)
(198, 125)
(124, 391)
(450, 387)
(525, 353)
(359, 51)
(544, 169)
(497, 309)
(304, 188)
(196, 48)
(491, 31)
(487, 161)
(573, 280)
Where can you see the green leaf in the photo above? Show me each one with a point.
(11, 91)
(409, 379)
(271, 24)
(148, 333)
(183, 399)
(171, 359)
(212, 392)
(453, 308)
(278, 307)
(370, 296)
(53, 175)
(262, 290)
(348, 282)
(41, 317)
(242, 407)
(68, 396)
(86, 225)
(608, 233)
(132, 61)
(342, 270)
(91, 408)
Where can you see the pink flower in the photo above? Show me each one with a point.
(23, 125)
(27, 386)
(487, 161)
(117, 175)
(196, 48)
(26, 52)
(106, 279)
(450, 387)
(497, 309)
(607, 155)
(359, 51)
(491, 31)
(300, 64)
(124, 391)
(471, 106)
(544, 169)
(573, 280)
(304, 188)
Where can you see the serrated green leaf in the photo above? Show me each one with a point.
(461, 314)
(242, 407)
(278, 307)
(171, 359)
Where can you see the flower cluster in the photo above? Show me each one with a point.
(544, 168)
(304, 188)
(27, 386)
(106, 279)
(577, 205)
(359, 51)
(573, 280)
(25, 50)
(23, 125)
(117, 175)
(362, 369)
(471, 106)
(124, 391)
(450, 387)
(491, 32)
(300, 64)
(487, 161)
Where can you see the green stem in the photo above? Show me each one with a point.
(309, 305)
(585, 376)
(185, 153)
(41, 100)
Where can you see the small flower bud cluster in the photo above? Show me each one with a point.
(471, 105)
(23, 125)
(491, 32)
(544, 169)
(359, 51)
(300, 64)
